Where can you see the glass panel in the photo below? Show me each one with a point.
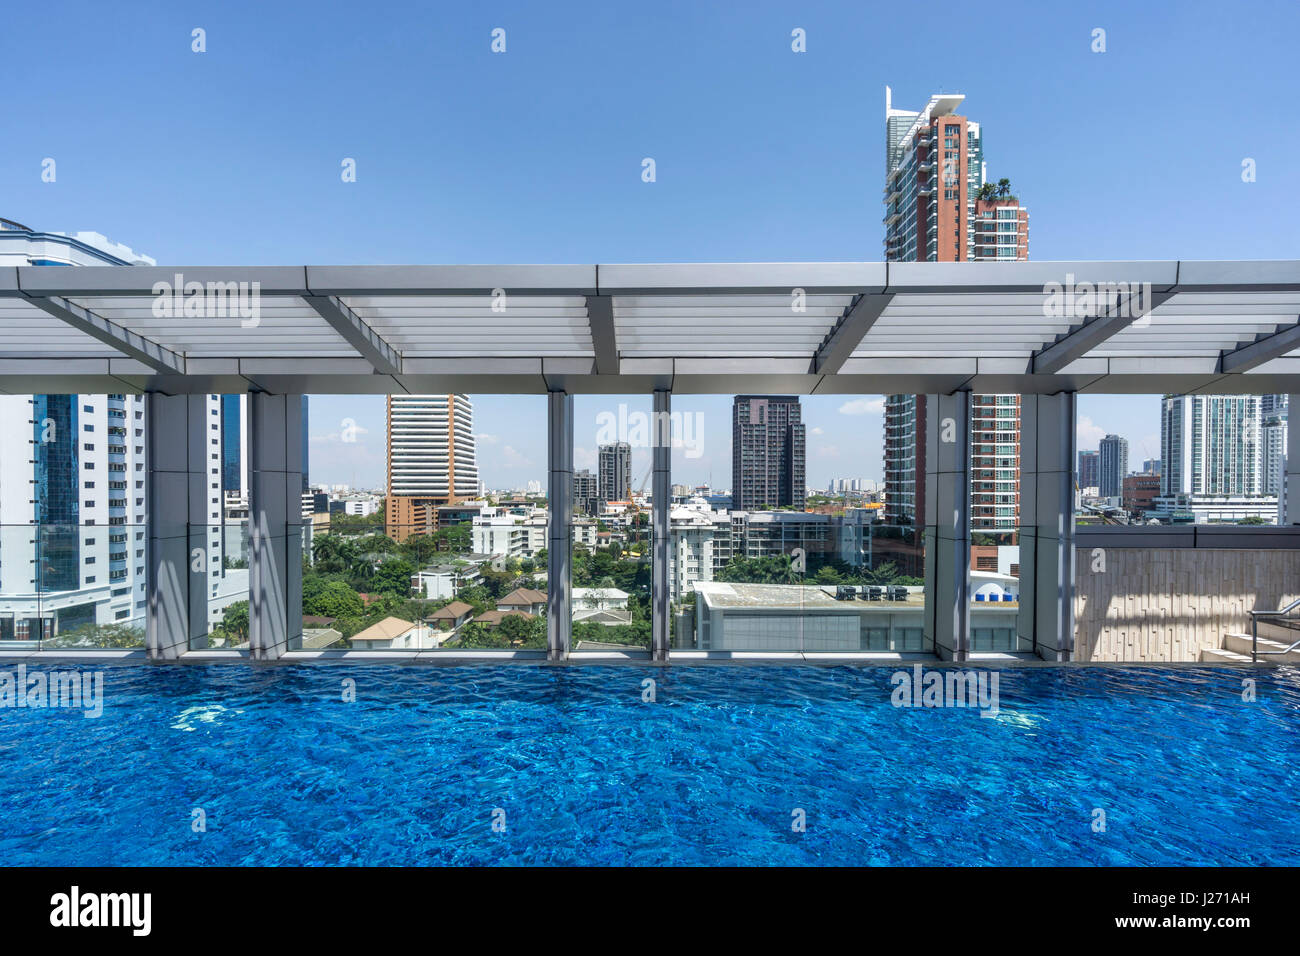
(612, 522)
(1180, 459)
(427, 523)
(995, 524)
(224, 550)
(73, 568)
(808, 564)
(70, 586)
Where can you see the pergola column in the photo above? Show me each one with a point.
(661, 512)
(1047, 559)
(947, 524)
(559, 543)
(274, 524)
(178, 509)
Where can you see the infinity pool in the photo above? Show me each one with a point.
(579, 769)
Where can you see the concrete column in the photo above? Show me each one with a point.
(1047, 454)
(661, 526)
(559, 542)
(274, 524)
(947, 524)
(1289, 506)
(178, 509)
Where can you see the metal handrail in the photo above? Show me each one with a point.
(1255, 652)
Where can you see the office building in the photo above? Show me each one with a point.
(1089, 475)
(1112, 466)
(768, 453)
(1273, 443)
(1210, 446)
(614, 471)
(431, 460)
(586, 492)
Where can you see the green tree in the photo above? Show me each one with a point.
(234, 621)
(518, 630)
(394, 577)
(475, 635)
(330, 598)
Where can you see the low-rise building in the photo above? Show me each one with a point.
(780, 617)
(393, 633)
(523, 599)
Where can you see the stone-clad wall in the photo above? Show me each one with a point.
(1154, 604)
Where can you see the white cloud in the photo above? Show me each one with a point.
(584, 458)
(486, 439)
(817, 430)
(355, 431)
(1089, 436)
(828, 451)
(863, 406)
(514, 458)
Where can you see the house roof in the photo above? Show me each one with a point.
(524, 597)
(452, 611)
(493, 618)
(385, 630)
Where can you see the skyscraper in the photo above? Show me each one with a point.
(938, 208)
(1112, 466)
(586, 493)
(614, 471)
(1273, 415)
(431, 460)
(768, 453)
(1210, 446)
(1089, 469)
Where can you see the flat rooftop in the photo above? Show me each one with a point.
(722, 594)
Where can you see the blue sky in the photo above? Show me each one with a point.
(233, 155)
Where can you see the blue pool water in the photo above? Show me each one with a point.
(710, 773)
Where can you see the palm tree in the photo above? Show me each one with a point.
(1004, 187)
(987, 191)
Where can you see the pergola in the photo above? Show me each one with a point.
(1044, 330)
(804, 328)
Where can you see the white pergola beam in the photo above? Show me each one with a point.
(130, 344)
(1254, 354)
(357, 332)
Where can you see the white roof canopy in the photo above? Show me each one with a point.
(803, 328)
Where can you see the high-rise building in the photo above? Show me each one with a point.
(1151, 466)
(768, 453)
(1112, 466)
(1273, 416)
(431, 460)
(995, 463)
(614, 471)
(1210, 446)
(586, 492)
(939, 207)
(1089, 469)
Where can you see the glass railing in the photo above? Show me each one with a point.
(371, 587)
(221, 552)
(73, 586)
(846, 589)
(611, 585)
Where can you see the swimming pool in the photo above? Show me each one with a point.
(580, 769)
